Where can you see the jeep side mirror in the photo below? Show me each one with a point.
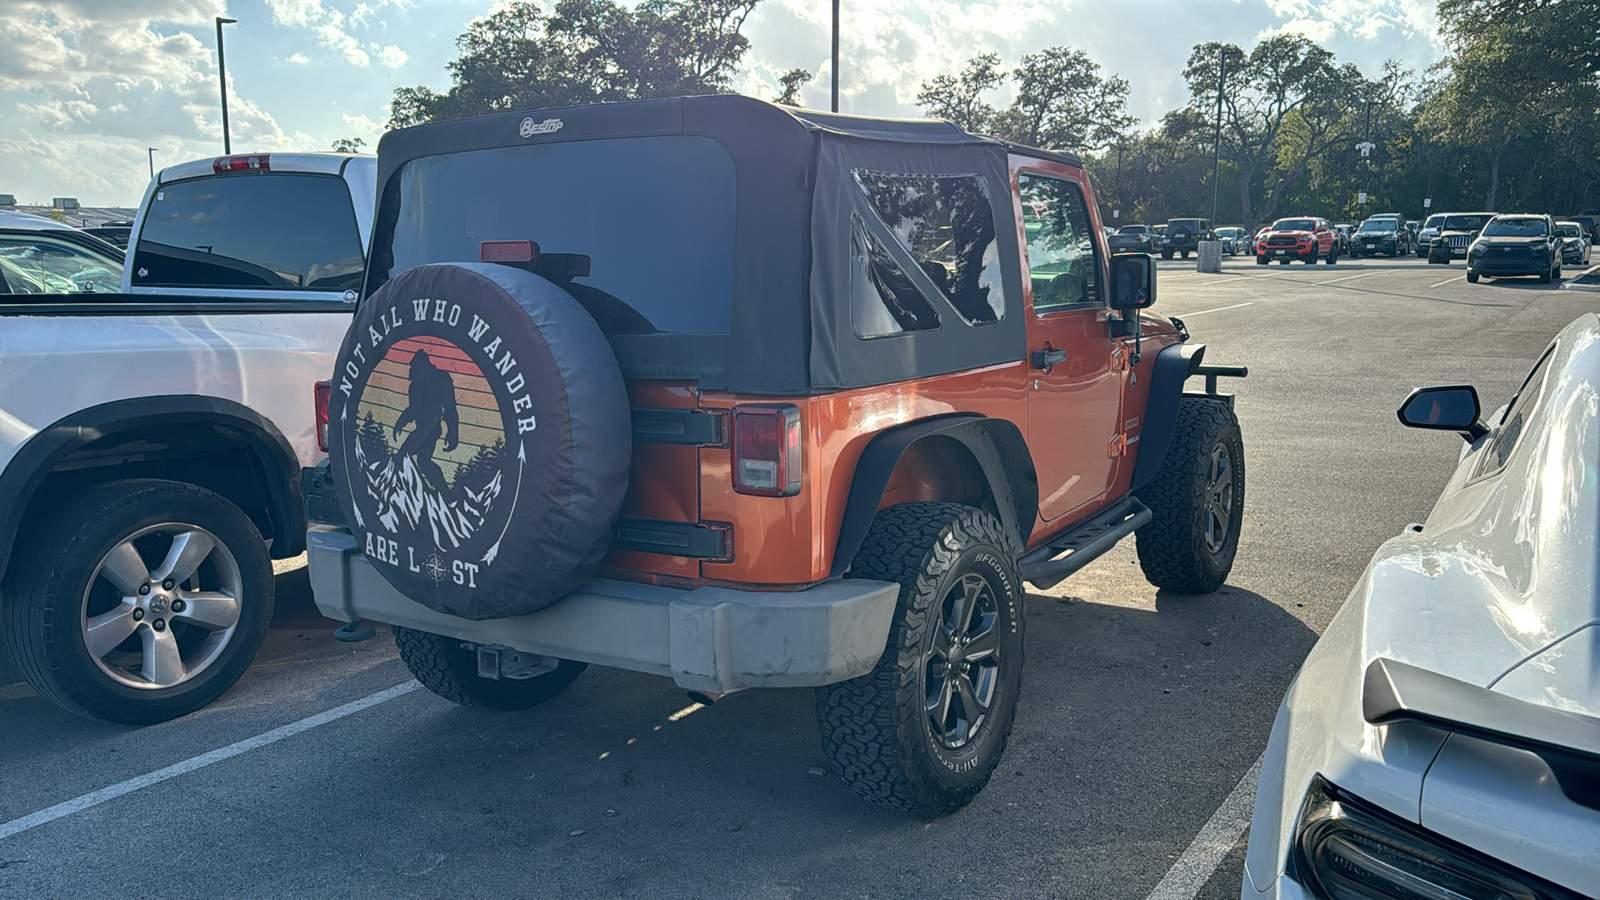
(1445, 407)
(1133, 281)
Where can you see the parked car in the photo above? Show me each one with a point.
(1590, 223)
(1133, 239)
(1158, 238)
(142, 500)
(1442, 738)
(1516, 245)
(1342, 232)
(114, 233)
(1414, 228)
(1456, 234)
(1184, 236)
(1428, 232)
(667, 377)
(1232, 239)
(43, 256)
(1574, 243)
(1304, 239)
(1381, 234)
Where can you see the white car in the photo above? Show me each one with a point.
(1442, 739)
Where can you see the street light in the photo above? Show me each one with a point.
(152, 152)
(222, 77)
(835, 55)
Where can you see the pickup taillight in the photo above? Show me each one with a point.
(320, 393)
(766, 450)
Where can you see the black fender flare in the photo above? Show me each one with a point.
(996, 444)
(1174, 364)
(40, 454)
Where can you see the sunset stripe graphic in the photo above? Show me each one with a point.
(387, 395)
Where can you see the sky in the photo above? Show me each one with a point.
(87, 86)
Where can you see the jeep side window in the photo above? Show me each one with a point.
(946, 223)
(1061, 254)
(883, 301)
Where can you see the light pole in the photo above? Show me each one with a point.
(152, 154)
(222, 77)
(835, 55)
(1216, 142)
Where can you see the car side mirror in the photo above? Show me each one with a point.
(1133, 281)
(1445, 407)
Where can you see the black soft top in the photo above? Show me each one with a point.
(796, 198)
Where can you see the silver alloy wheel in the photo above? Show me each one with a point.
(157, 626)
(1219, 498)
(961, 670)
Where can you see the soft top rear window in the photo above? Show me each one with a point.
(273, 231)
(654, 214)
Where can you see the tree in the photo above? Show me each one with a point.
(348, 145)
(585, 51)
(1062, 101)
(959, 98)
(1564, 31)
(792, 81)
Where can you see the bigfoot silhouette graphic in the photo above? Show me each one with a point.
(432, 406)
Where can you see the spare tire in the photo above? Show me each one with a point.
(481, 436)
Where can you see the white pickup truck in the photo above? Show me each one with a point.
(151, 441)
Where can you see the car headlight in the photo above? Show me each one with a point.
(1346, 849)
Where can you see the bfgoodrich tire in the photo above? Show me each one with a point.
(446, 667)
(923, 731)
(138, 602)
(1197, 498)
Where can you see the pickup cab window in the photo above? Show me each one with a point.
(277, 231)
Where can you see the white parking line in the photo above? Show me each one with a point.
(1218, 309)
(1347, 278)
(1198, 863)
(1447, 281)
(1226, 280)
(95, 798)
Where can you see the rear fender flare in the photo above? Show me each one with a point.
(996, 444)
(1174, 364)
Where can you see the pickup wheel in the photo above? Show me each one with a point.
(1197, 497)
(923, 731)
(1261, 260)
(149, 600)
(446, 667)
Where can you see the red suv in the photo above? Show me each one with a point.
(1307, 240)
(748, 396)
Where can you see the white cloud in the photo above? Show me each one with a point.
(392, 56)
(299, 59)
(296, 13)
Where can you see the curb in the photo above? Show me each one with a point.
(1571, 284)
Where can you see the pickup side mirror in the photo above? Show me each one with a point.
(1444, 407)
(1133, 281)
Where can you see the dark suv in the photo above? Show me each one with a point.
(1184, 236)
(1516, 245)
(749, 396)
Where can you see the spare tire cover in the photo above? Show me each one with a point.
(481, 436)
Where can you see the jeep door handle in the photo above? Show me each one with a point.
(1044, 359)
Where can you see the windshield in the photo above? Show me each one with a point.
(1378, 225)
(1433, 222)
(655, 216)
(1516, 228)
(1134, 229)
(1465, 223)
(1294, 225)
(1230, 232)
(1568, 229)
(40, 264)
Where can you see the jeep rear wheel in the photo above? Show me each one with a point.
(923, 731)
(1197, 498)
(449, 668)
(144, 601)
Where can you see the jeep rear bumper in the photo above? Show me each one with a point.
(710, 639)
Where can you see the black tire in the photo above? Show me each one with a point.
(1206, 457)
(1185, 254)
(1472, 278)
(446, 667)
(1261, 260)
(1166, 254)
(877, 731)
(50, 604)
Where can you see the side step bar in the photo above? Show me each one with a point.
(1071, 551)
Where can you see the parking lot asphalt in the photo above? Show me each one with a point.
(1141, 712)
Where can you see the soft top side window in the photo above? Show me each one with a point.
(946, 223)
(1062, 261)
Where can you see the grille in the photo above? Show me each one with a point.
(1459, 241)
(1281, 241)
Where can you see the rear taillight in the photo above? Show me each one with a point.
(766, 450)
(322, 391)
(255, 162)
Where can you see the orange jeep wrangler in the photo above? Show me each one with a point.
(748, 396)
